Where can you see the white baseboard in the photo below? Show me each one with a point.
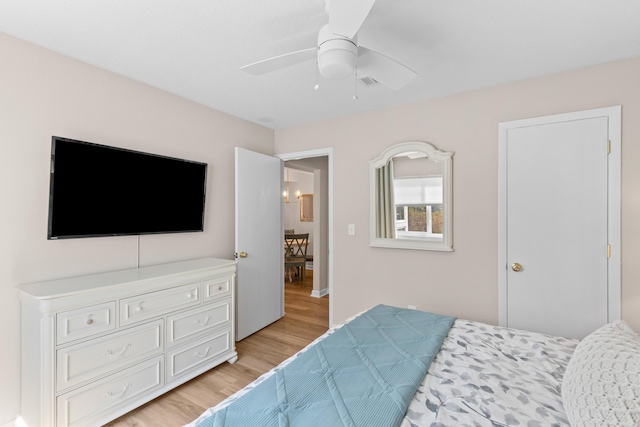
(18, 422)
(320, 293)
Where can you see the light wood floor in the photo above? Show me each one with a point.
(306, 319)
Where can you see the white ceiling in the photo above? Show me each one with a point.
(194, 48)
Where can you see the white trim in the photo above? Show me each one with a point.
(18, 422)
(614, 117)
(615, 199)
(320, 153)
(320, 293)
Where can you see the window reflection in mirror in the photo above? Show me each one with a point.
(417, 192)
(411, 198)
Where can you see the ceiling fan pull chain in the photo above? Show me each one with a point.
(317, 77)
(355, 94)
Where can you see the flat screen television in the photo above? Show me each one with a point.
(96, 190)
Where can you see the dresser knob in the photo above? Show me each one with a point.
(220, 287)
(189, 296)
(89, 321)
(138, 308)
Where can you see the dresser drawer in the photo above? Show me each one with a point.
(88, 404)
(90, 359)
(85, 322)
(183, 359)
(158, 303)
(183, 326)
(215, 288)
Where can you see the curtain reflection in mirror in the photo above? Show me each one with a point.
(386, 218)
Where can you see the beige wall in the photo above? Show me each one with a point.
(463, 283)
(44, 94)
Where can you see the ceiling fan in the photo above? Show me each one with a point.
(338, 54)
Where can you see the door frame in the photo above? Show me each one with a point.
(321, 152)
(614, 116)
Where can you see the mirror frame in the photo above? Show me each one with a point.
(431, 152)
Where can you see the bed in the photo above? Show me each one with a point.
(446, 372)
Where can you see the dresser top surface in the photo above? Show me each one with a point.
(74, 285)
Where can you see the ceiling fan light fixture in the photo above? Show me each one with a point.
(337, 63)
(337, 55)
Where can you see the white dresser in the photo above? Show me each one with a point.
(95, 347)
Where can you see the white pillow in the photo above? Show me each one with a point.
(601, 385)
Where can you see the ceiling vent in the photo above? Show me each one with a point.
(368, 81)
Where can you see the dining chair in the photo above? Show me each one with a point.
(289, 231)
(295, 255)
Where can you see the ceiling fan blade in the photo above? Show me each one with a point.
(387, 71)
(279, 62)
(346, 16)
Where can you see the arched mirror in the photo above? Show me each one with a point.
(411, 198)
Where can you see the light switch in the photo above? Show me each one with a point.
(352, 229)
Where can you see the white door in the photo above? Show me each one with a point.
(557, 226)
(259, 244)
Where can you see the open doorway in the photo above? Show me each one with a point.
(311, 172)
(303, 214)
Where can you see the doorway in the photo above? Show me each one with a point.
(320, 163)
(559, 215)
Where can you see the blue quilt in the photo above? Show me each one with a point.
(364, 374)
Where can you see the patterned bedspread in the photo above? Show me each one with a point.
(491, 376)
(483, 376)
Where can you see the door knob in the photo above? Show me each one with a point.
(516, 267)
(243, 254)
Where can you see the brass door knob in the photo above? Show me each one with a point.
(516, 267)
(243, 254)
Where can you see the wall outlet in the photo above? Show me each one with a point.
(412, 307)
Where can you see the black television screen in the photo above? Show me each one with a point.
(96, 190)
